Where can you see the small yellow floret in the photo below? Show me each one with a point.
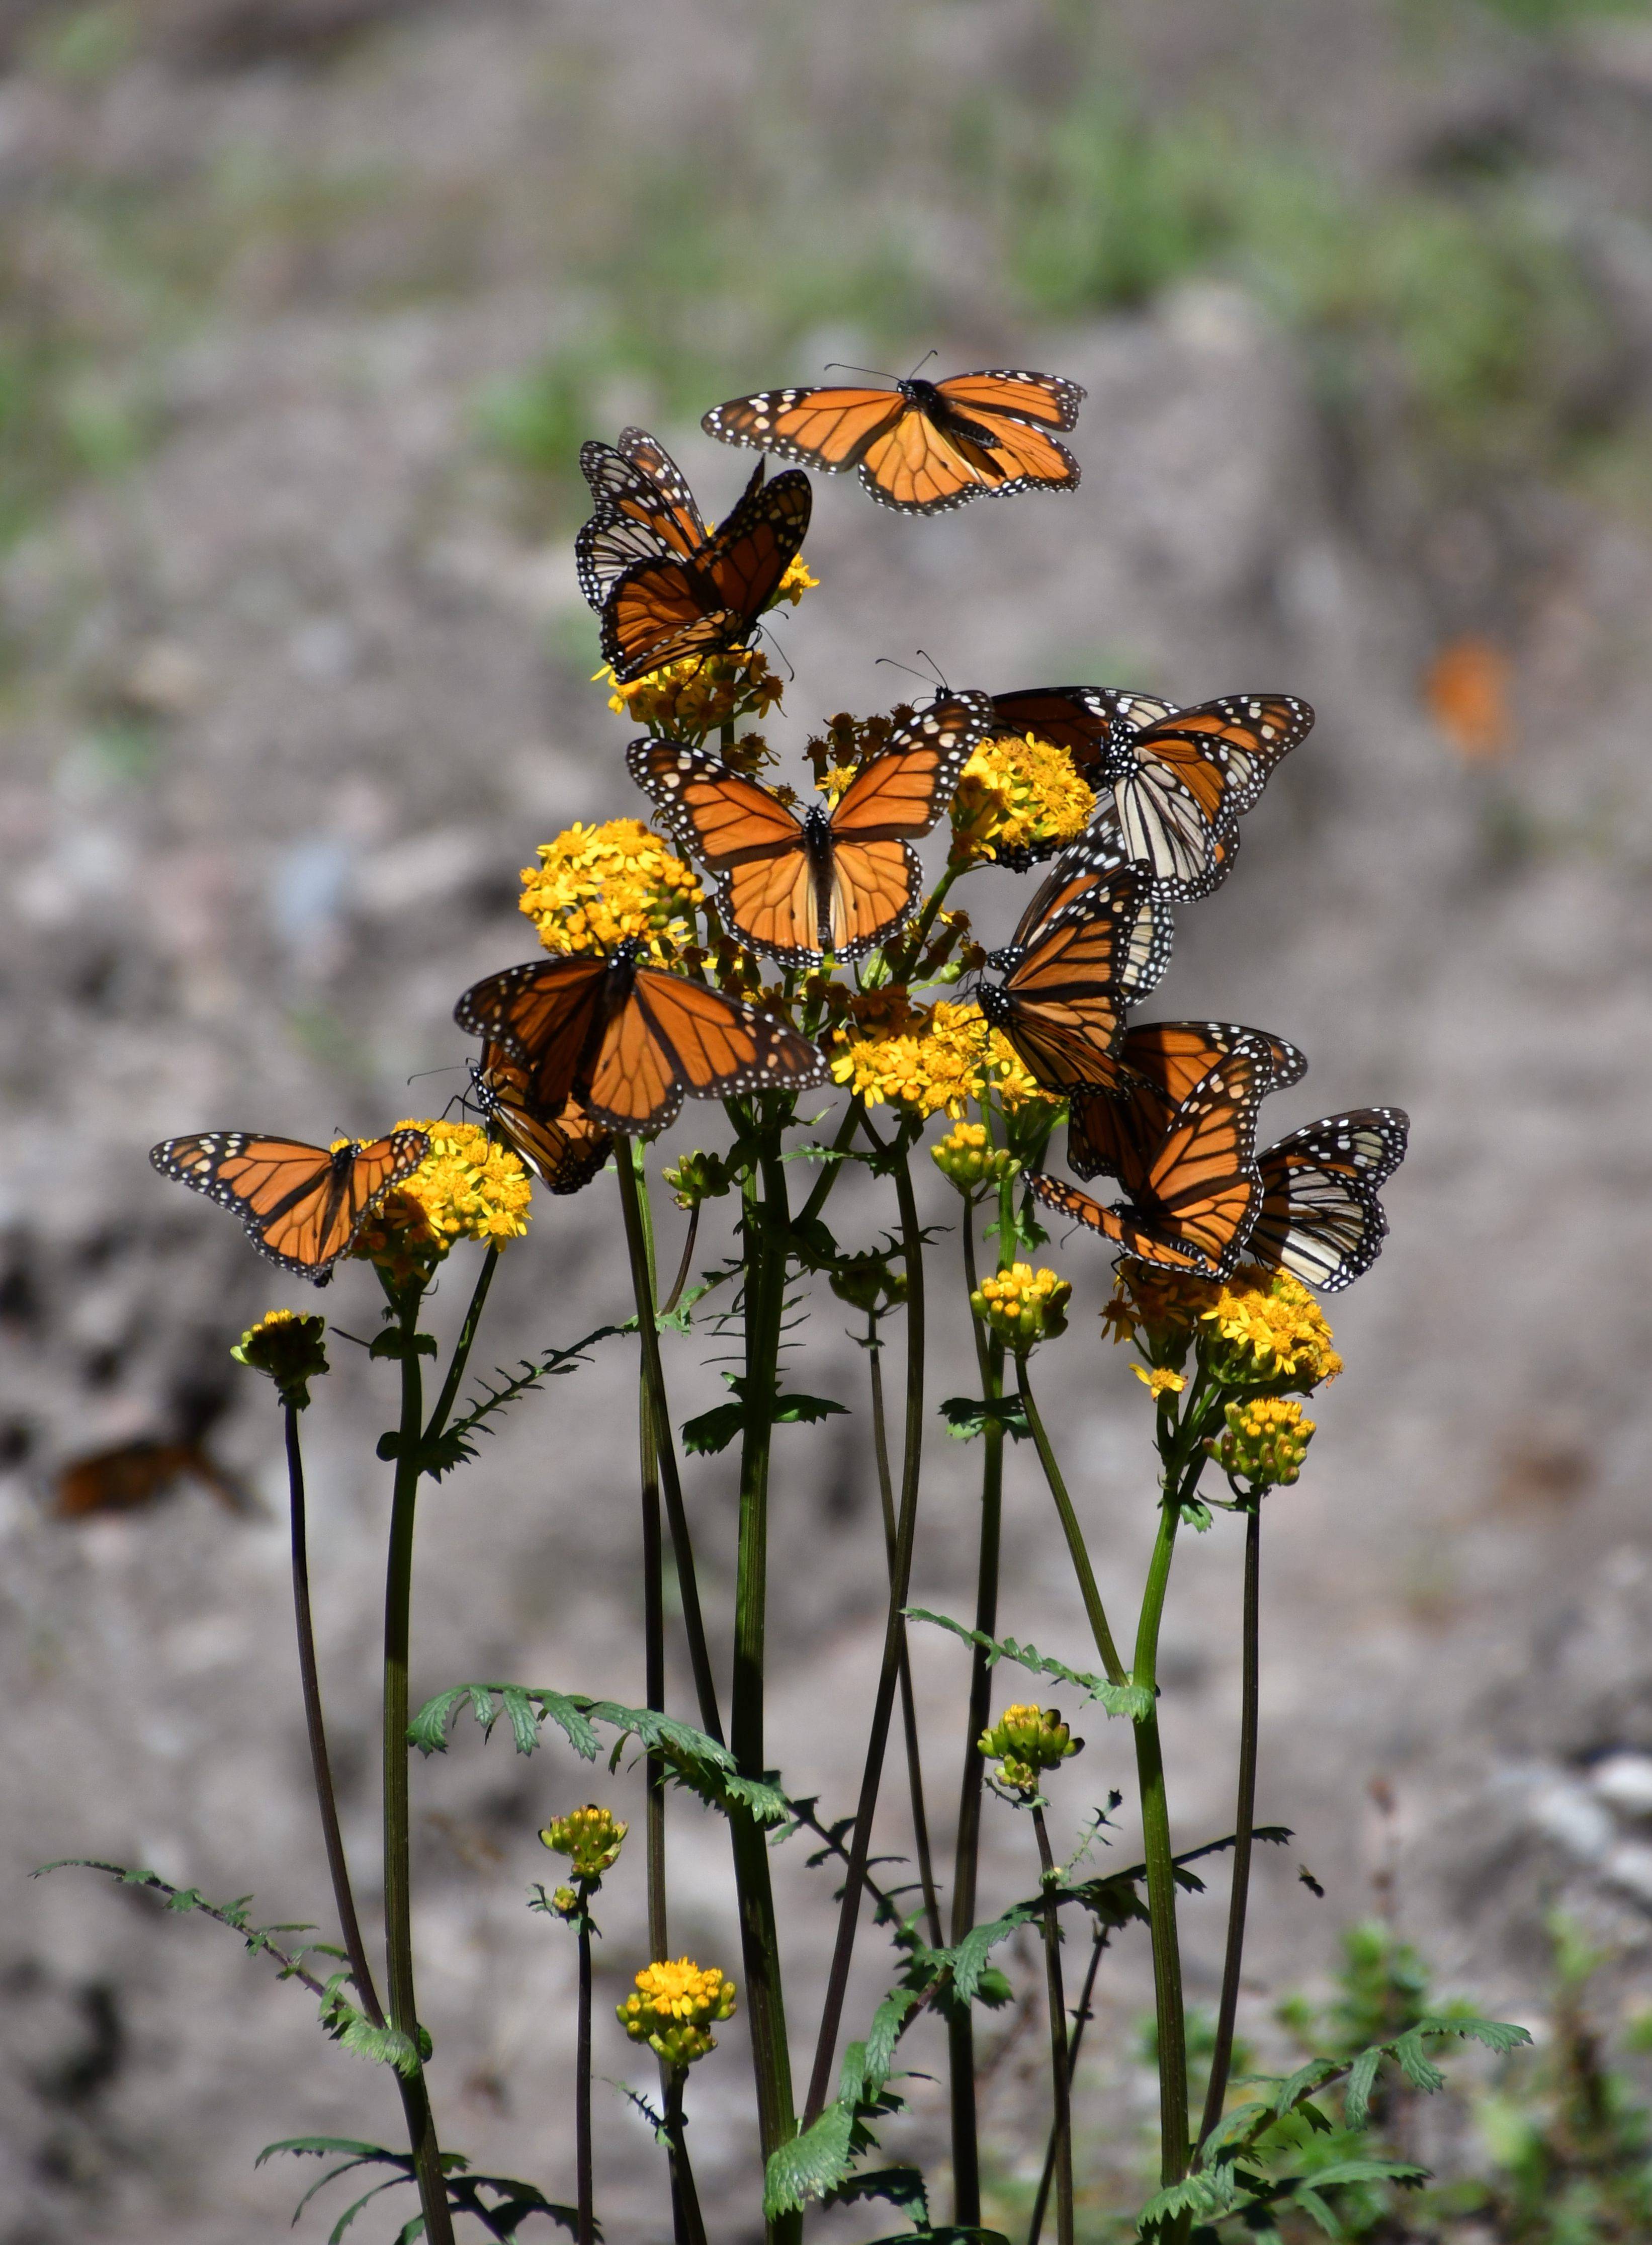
(1016, 792)
(674, 2008)
(1266, 1440)
(465, 1187)
(795, 582)
(1022, 1305)
(1266, 1330)
(1160, 1380)
(594, 885)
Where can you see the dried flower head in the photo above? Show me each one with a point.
(689, 699)
(1266, 1440)
(868, 1282)
(674, 2008)
(290, 1348)
(594, 885)
(467, 1187)
(1023, 1307)
(1017, 796)
(590, 1837)
(1025, 1742)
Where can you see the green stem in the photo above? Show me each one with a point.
(684, 2193)
(1060, 2078)
(1080, 2019)
(830, 1171)
(461, 1347)
(398, 1595)
(1074, 1534)
(1243, 1819)
(582, 2086)
(914, 947)
(653, 1599)
(1162, 1885)
(894, 1637)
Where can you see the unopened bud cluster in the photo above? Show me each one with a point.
(868, 1282)
(968, 1156)
(1266, 1440)
(589, 1838)
(1023, 1307)
(699, 1177)
(290, 1348)
(674, 2008)
(1025, 1740)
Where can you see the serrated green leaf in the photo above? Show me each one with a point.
(395, 1344)
(713, 1430)
(1362, 2077)
(899, 2187)
(1417, 2068)
(319, 2146)
(966, 1416)
(806, 1410)
(1308, 2199)
(1132, 1700)
(811, 2164)
(445, 1453)
(1350, 2171)
(384, 2045)
(968, 1960)
(884, 2033)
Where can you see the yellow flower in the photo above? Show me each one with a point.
(833, 782)
(594, 885)
(465, 1187)
(1266, 1330)
(290, 1346)
(689, 699)
(1025, 1740)
(1266, 1440)
(968, 1156)
(1017, 793)
(795, 582)
(1022, 1305)
(931, 1059)
(1160, 1380)
(674, 2008)
(589, 1838)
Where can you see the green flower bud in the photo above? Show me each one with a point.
(589, 1838)
(1023, 1307)
(290, 1348)
(1266, 1440)
(968, 1156)
(699, 1177)
(1024, 1741)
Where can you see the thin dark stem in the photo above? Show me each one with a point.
(1080, 2020)
(582, 2089)
(654, 1600)
(676, 1515)
(398, 1596)
(683, 2191)
(682, 1278)
(1076, 1546)
(909, 1706)
(1060, 2078)
(1243, 1819)
(445, 1401)
(830, 1171)
(900, 1581)
(320, 1761)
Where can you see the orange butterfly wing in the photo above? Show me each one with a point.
(716, 1045)
(1180, 784)
(743, 833)
(301, 1205)
(1083, 719)
(1062, 1004)
(1320, 1217)
(895, 797)
(644, 507)
(564, 1150)
(1048, 401)
(667, 608)
(545, 1015)
(828, 429)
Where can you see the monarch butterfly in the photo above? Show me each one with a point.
(644, 509)
(1171, 783)
(668, 606)
(1114, 1134)
(1320, 1217)
(1190, 1198)
(922, 447)
(135, 1474)
(564, 1150)
(302, 1206)
(1062, 1002)
(628, 1040)
(841, 880)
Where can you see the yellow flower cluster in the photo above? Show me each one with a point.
(1266, 1330)
(795, 582)
(968, 1156)
(833, 782)
(691, 698)
(594, 885)
(1023, 1307)
(674, 2008)
(290, 1348)
(931, 1059)
(1015, 792)
(1266, 1440)
(465, 1187)
(589, 1838)
(1025, 1742)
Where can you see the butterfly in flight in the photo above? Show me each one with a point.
(1063, 998)
(1191, 1196)
(669, 606)
(1115, 1134)
(920, 447)
(1171, 784)
(644, 510)
(1320, 1217)
(564, 1150)
(841, 880)
(628, 1040)
(301, 1205)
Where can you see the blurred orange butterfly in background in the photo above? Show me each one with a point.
(920, 447)
(628, 1040)
(670, 605)
(841, 880)
(564, 1150)
(1062, 1002)
(302, 1206)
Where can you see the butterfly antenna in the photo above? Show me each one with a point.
(923, 361)
(838, 366)
(420, 1073)
(940, 675)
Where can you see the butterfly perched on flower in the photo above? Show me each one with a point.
(644, 511)
(841, 880)
(1320, 1217)
(302, 1206)
(920, 447)
(565, 1150)
(1171, 784)
(1062, 1000)
(628, 1042)
(1192, 1192)
(670, 605)
(1115, 1134)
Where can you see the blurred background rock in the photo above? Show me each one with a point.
(305, 307)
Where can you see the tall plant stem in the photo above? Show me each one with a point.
(320, 1761)
(398, 1597)
(637, 1242)
(894, 1638)
(1080, 2019)
(1076, 1546)
(582, 2088)
(1243, 1819)
(1162, 1885)
(653, 1594)
(1061, 2078)
(684, 2193)
(765, 1229)
(909, 1705)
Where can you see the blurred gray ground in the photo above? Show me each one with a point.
(305, 304)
